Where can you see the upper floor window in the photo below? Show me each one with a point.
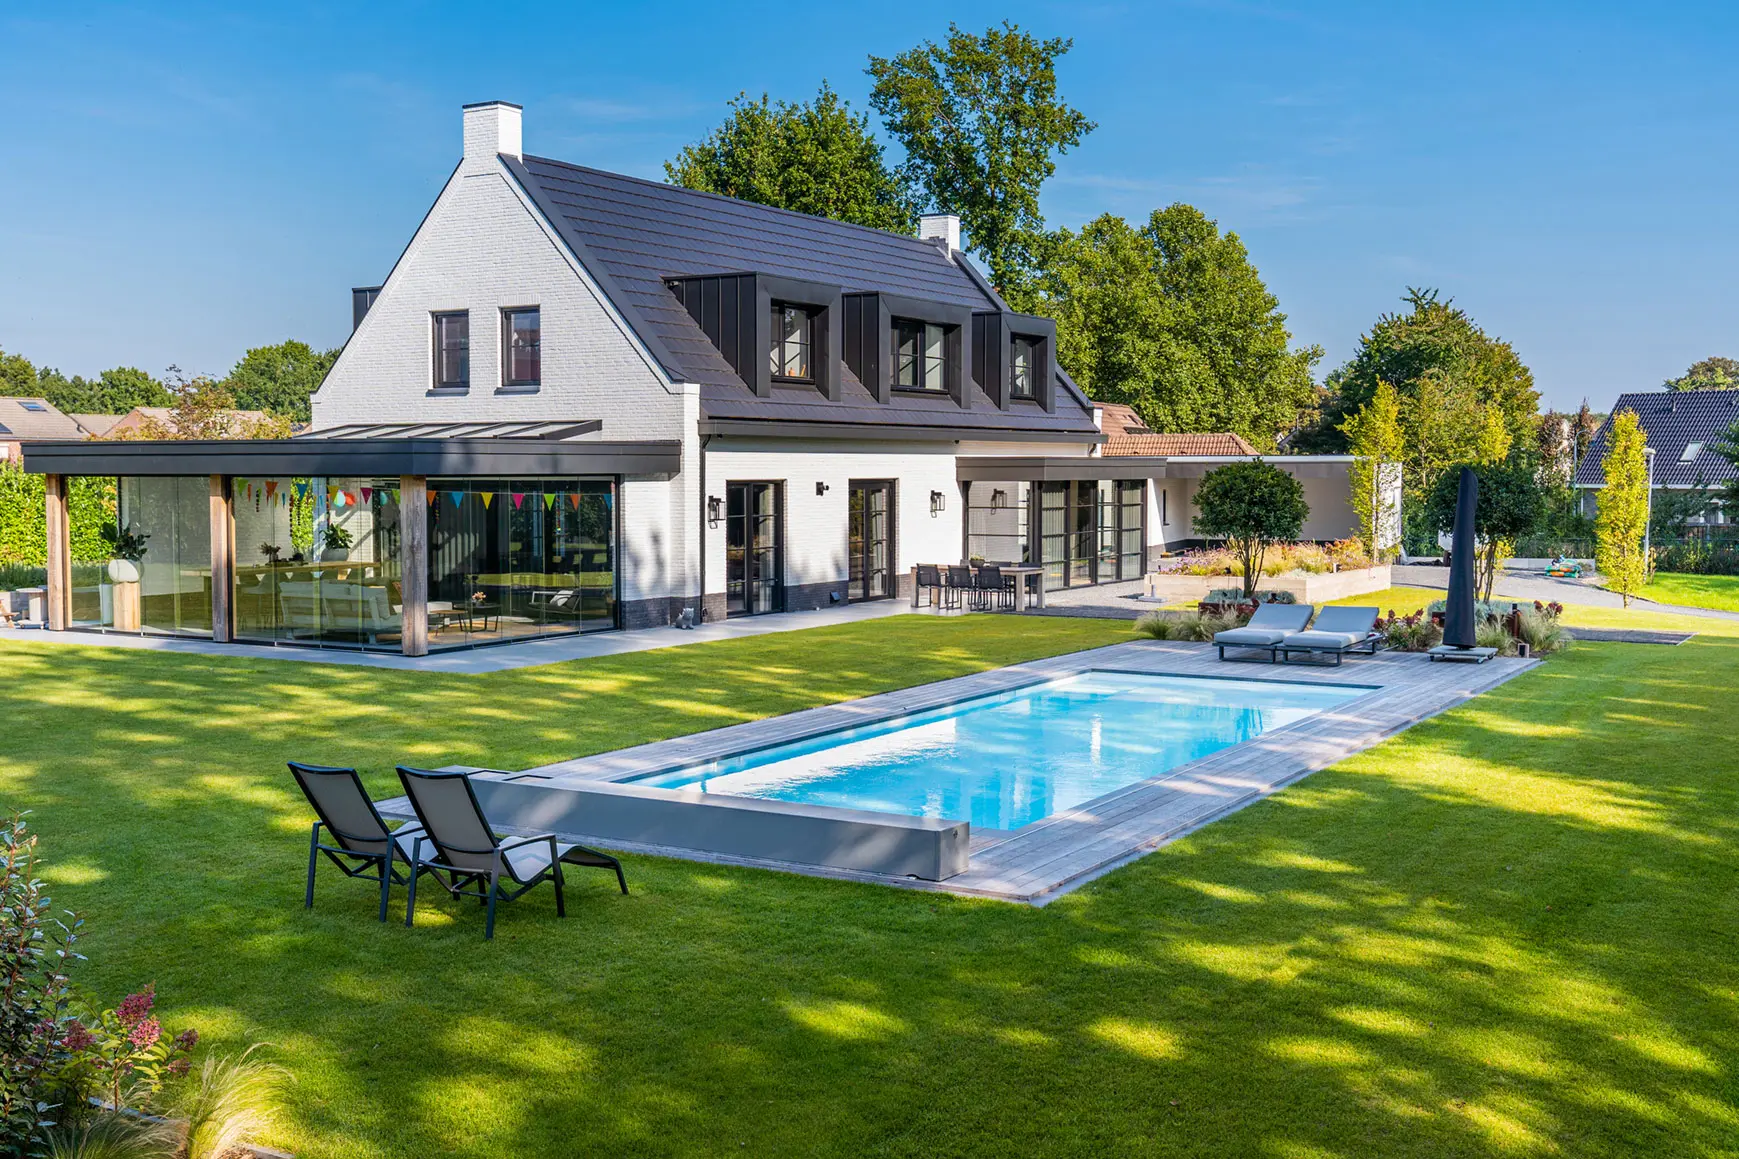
(1023, 368)
(522, 359)
(453, 349)
(793, 342)
(919, 358)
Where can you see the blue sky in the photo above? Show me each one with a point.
(181, 182)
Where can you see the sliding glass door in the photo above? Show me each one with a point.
(752, 549)
(870, 540)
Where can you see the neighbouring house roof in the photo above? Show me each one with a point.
(1674, 422)
(1184, 444)
(136, 418)
(1118, 418)
(25, 420)
(633, 234)
(97, 425)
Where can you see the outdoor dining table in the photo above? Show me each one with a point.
(1020, 572)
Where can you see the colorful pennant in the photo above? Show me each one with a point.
(488, 497)
(549, 500)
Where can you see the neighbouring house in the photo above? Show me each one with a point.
(1682, 428)
(581, 401)
(98, 426)
(34, 420)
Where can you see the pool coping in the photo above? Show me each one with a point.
(1051, 856)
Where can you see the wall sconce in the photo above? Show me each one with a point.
(821, 488)
(714, 506)
(999, 498)
(938, 503)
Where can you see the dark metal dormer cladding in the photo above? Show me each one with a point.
(648, 246)
(994, 342)
(735, 312)
(871, 327)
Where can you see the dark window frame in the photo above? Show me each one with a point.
(1034, 348)
(920, 359)
(463, 383)
(508, 381)
(776, 354)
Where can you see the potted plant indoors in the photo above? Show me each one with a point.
(128, 550)
(335, 544)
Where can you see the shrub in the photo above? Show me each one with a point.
(1542, 633)
(36, 949)
(1492, 634)
(1195, 627)
(1414, 633)
(1250, 505)
(1236, 596)
(229, 1101)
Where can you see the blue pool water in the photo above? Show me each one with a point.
(1008, 760)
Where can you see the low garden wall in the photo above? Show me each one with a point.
(1306, 587)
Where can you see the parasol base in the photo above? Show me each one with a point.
(1464, 655)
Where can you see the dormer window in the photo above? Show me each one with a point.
(1023, 362)
(920, 360)
(793, 344)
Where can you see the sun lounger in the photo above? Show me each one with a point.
(1271, 624)
(358, 841)
(1338, 632)
(457, 840)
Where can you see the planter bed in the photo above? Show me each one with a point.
(1306, 587)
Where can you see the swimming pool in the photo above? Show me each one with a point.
(1008, 760)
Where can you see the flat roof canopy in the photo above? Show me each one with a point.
(383, 456)
(1056, 468)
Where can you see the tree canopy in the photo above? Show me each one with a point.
(1173, 319)
(1714, 373)
(982, 125)
(114, 391)
(1510, 501)
(279, 379)
(815, 157)
(1250, 505)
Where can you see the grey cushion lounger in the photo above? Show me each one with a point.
(1271, 624)
(1337, 631)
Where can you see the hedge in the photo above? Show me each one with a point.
(24, 524)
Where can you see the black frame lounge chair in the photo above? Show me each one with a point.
(1339, 632)
(364, 847)
(458, 841)
(1271, 624)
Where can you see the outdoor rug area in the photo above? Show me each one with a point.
(1043, 859)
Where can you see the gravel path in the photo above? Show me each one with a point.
(1529, 586)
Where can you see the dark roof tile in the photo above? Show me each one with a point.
(1672, 420)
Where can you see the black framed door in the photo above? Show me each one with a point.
(753, 548)
(870, 539)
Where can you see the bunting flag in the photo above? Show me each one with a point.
(301, 490)
(549, 500)
(271, 489)
(488, 497)
(518, 498)
(367, 494)
(432, 494)
(240, 483)
(458, 498)
(574, 499)
(395, 494)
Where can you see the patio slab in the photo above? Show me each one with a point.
(1050, 857)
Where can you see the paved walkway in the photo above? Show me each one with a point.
(495, 658)
(1533, 586)
(1042, 860)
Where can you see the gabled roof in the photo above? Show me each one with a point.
(1184, 444)
(632, 234)
(1672, 420)
(29, 419)
(97, 425)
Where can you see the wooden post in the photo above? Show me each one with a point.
(414, 565)
(222, 559)
(59, 554)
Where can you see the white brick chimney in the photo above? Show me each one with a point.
(491, 128)
(941, 227)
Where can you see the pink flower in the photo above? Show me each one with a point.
(135, 1007)
(77, 1037)
(145, 1035)
(187, 1039)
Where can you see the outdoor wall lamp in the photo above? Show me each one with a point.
(999, 498)
(938, 503)
(714, 506)
(821, 488)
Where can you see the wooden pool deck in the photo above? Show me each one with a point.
(1040, 861)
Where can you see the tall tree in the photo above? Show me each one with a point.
(1174, 320)
(1715, 373)
(1509, 507)
(279, 379)
(1250, 505)
(17, 375)
(816, 157)
(1623, 515)
(1375, 439)
(982, 125)
(204, 408)
(112, 392)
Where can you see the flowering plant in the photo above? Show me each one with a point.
(119, 1056)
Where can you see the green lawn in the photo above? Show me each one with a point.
(1509, 931)
(1720, 592)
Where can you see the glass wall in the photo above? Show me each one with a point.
(317, 561)
(997, 522)
(1120, 540)
(168, 590)
(514, 558)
